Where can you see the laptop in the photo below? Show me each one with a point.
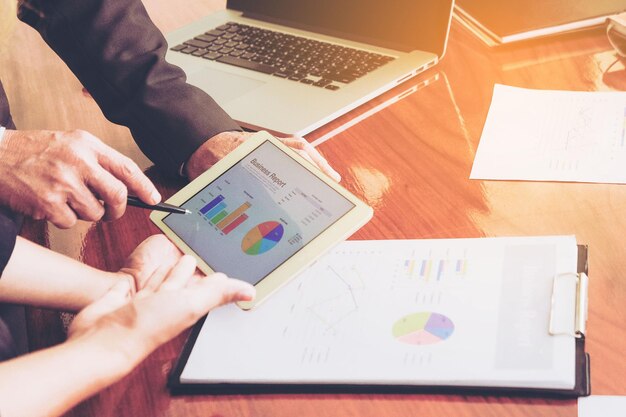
(291, 66)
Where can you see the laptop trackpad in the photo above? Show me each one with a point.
(222, 86)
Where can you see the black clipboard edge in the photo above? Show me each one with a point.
(173, 380)
(582, 386)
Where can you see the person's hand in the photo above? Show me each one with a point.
(150, 262)
(65, 176)
(223, 143)
(133, 326)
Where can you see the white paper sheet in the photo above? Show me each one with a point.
(542, 135)
(602, 406)
(469, 312)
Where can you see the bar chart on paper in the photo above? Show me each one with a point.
(215, 211)
(435, 266)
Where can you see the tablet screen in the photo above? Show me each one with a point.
(258, 214)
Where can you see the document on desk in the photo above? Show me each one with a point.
(462, 312)
(542, 135)
(602, 406)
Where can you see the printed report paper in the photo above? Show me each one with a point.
(471, 312)
(602, 406)
(543, 135)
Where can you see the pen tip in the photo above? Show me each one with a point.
(187, 211)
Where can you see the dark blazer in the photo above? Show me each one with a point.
(5, 113)
(117, 52)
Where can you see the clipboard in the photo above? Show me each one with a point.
(581, 388)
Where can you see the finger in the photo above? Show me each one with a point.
(199, 274)
(321, 162)
(313, 155)
(127, 171)
(196, 277)
(168, 258)
(298, 146)
(217, 290)
(110, 190)
(324, 165)
(155, 280)
(85, 204)
(180, 274)
(117, 296)
(62, 216)
(154, 252)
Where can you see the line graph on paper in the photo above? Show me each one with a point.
(342, 302)
(548, 135)
(325, 311)
(579, 132)
(332, 301)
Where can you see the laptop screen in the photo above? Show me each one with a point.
(399, 24)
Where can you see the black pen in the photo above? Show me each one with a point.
(136, 202)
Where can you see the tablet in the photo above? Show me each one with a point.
(261, 214)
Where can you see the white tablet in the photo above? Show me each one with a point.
(261, 214)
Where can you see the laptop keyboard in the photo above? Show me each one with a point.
(320, 64)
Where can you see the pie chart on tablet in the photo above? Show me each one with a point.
(424, 328)
(262, 238)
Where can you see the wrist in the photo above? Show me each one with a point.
(204, 157)
(102, 282)
(212, 150)
(6, 138)
(109, 353)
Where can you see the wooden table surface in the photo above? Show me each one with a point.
(410, 159)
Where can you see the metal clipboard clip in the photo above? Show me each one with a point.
(568, 309)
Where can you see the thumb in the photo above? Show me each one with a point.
(216, 290)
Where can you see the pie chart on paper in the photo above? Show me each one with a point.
(262, 238)
(423, 328)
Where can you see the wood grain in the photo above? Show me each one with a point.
(411, 161)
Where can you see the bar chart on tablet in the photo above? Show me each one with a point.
(216, 212)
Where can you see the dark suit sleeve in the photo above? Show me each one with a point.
(117, 52)
(8, 236)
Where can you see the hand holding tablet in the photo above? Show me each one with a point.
(261, 214)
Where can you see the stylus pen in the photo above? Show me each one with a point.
(136, 202)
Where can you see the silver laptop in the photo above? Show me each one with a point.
(291, 66)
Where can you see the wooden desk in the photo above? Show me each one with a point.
(411, 161)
